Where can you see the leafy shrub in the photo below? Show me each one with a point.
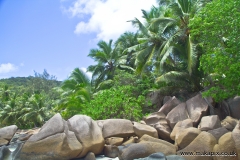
(117, 102)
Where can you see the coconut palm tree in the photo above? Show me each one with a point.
(126, 40)
(166, 44)
(179, 46)
(151, 40)
(108, 59)
(37, 111)
(75, 91)
(10, 111)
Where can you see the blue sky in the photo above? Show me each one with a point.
(57, 35)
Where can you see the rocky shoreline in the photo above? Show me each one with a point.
(179, 130)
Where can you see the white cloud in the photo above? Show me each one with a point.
(8, 67)
(89, 74)
(107, 18)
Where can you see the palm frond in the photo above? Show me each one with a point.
(192, 58)
(126, 67)
(69, 84)
(162, 21)
(142, 58)
(79, 76)
(105, 85)
(140, 26)
(172, 76)
(135, 47)
(106, 47)
(185, 6)
(165, 56)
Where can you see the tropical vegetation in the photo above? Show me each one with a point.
(180, 47)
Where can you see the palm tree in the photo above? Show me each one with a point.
(108, 59)
(10, 111)
(151, 39)
(165, 47)
(75, 91)
(126, 40)
(179, 46)
(37, 111)
(5, 93)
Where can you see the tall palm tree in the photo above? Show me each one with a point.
(75, 91)
(150, 40)
(179, 46)
(108, 59)
(166, 44)
(126, 40)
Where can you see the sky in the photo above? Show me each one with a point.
(57, 35)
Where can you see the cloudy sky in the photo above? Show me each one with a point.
(57, 35)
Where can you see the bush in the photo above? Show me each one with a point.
(117, 102)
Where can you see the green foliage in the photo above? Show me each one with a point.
(125, 98)
(108, 59)
(27, 101)
(142, 84)
(115, 103)
(37, 110)
(75, 92)
(216, 28)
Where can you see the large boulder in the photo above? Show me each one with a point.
(218, 132)
(203, 143)
(147, 146)
(147, 138)
(136, 150)
(141, 129)
(234, 106)
(88, 133)
(6, 134)
(60, 146)
(229, 123)
(159, 122)
(209, 123)
(172, 148)
(51, 127)
(163, 130)
(179, 127)
(236, 138)
(179, 113)
(169, 105)
(225, 145)
(54, 141)
(197, 107)
(186, 136)
(117, 128)
(154, 118)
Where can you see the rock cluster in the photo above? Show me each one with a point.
(177, 129)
